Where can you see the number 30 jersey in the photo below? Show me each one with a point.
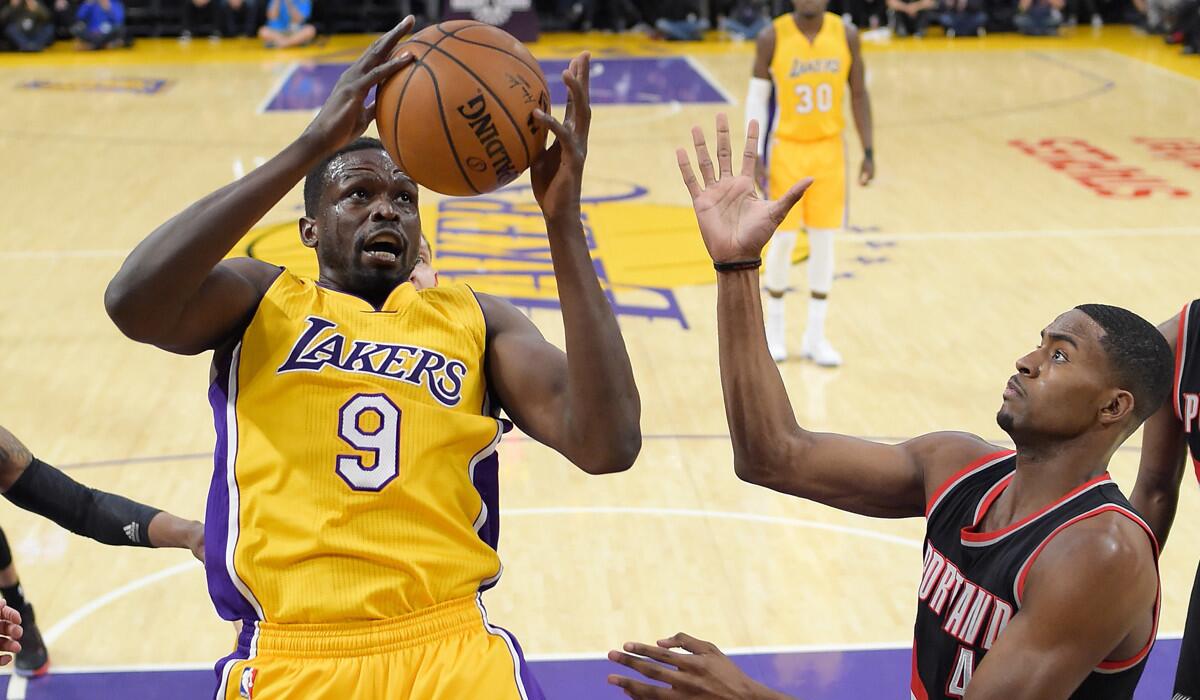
(810, 79)
(356, 467)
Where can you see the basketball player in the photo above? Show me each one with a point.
(37, 487)
(1040, 581)
(352, 516)
(423, 275)
(806, 58)
(1170, 434)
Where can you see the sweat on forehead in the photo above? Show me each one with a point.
(361, 152)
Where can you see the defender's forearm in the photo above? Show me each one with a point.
(762, 425)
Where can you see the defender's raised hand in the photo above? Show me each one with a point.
(734, 221)
(345, 115)
(557, 175)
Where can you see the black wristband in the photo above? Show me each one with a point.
(738, 265)
(869, 154)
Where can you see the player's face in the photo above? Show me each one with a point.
(423, 275)
(1061, 388)
(367, 233)
(810, 8)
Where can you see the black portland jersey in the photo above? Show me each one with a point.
(1186, 396)
(972, 581)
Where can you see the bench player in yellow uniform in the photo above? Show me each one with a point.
(806, 58)
(352, 517)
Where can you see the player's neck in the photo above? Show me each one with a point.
(376, 298)
(1044, 474)
(809, 26)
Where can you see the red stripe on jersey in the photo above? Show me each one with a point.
(1023, 573)
(969, 535)
(916, 688)
(1180, 349)
(991, 495)
(981, 463)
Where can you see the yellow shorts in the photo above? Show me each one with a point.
(824, 204)
(447, 652)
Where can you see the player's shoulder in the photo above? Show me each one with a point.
(1173, 328)
(257, 273)
(765, 42)
(1112, 546)
(946, 452)
(942, 457)
(851, 33)
(457, 298)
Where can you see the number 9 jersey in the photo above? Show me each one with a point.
(356, 467)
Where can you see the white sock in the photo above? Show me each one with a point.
(820, 278)
(817, 308)
(779, 261)
(775, 314)
(820, 260)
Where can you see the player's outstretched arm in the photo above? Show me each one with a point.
(702, 672)
(173, 290)
(1164, 457)
(1089, 596)
(583, 403)
(39, 488)
(769, 448)
(860, 104)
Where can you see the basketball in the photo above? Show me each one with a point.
(459, 118)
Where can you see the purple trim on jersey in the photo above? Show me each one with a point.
(487, 483)
(230, 604)
(240, 653)
(533, 691)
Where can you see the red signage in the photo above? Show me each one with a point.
(1097, 169)
(1184, 150)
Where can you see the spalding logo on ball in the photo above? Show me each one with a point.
(459, 118)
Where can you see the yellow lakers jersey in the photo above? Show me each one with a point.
(810, 79)
(356, 460)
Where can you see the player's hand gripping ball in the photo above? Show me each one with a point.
(459, 118)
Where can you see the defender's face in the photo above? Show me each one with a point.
(423, 275)
(810, 8)
(367, 233)
(1059, 388)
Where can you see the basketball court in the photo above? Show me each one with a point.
(1016, 179)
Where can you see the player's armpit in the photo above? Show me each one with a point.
(220, 309)
(1090, 596)
(1160, 471)
(866, 477)
(531, 379)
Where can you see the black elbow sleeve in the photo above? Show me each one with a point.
(104, 517)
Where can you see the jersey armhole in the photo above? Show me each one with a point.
(956, 478)
(1180, 352)
(491, 403)
(1107, 667)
